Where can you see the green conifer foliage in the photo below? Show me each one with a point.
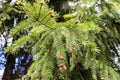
(59, 47)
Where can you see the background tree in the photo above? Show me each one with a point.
(9, 17)
(80, 48)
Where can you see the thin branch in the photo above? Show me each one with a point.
(80, 74)
(40, 10)
(45, 17)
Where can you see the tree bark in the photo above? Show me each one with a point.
(8, 72)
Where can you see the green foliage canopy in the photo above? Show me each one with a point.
(84, 38)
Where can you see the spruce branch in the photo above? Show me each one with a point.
(27, 11)
(21, 26)
(36, 19)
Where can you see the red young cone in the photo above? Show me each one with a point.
(61, 65)
(73, 48)
(61, 57)
(64, 67)
(76, 21)
(52, 15)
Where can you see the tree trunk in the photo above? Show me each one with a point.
(8, 72)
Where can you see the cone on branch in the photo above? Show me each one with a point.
(63, 66)
(51, 14)
(61, 57)
(76, 21)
